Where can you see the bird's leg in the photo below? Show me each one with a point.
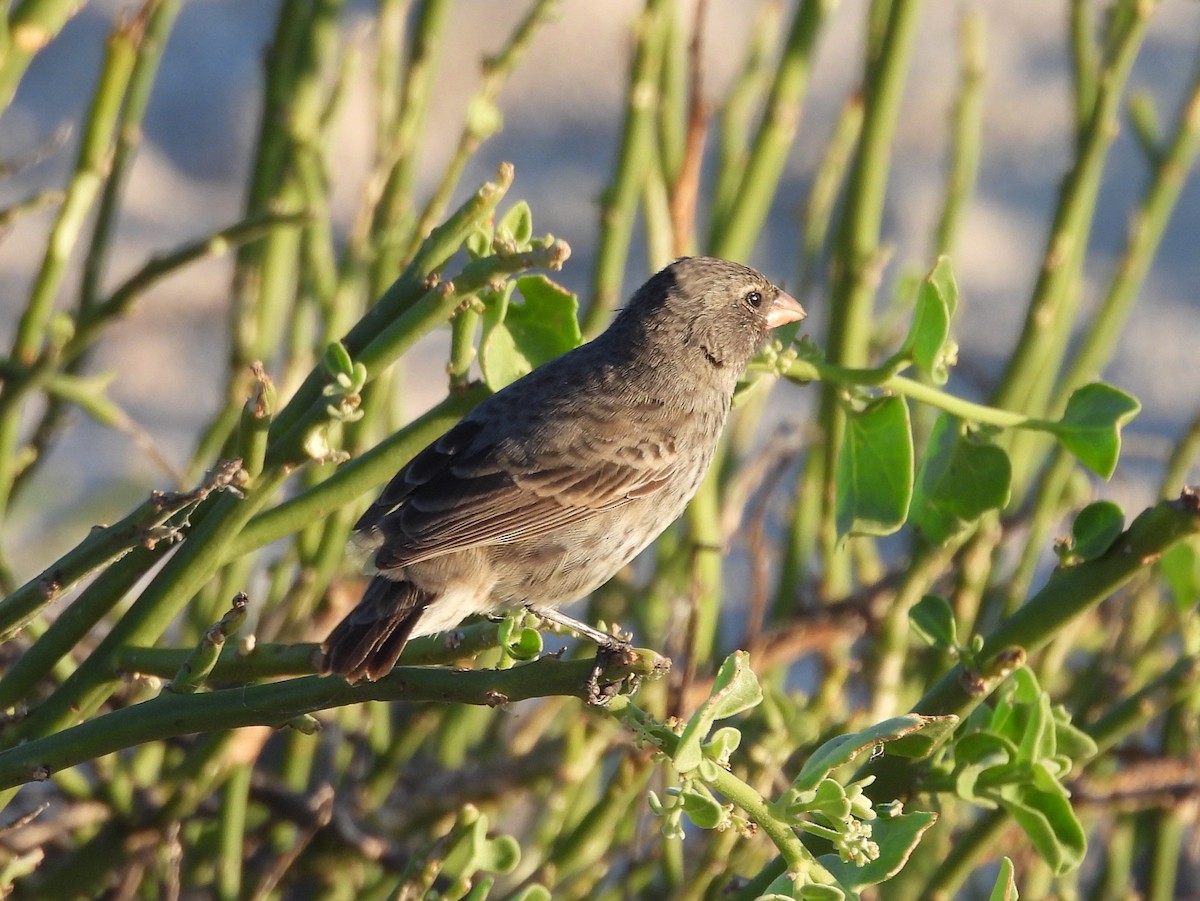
(610, 650)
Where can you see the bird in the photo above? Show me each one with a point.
(550, 486)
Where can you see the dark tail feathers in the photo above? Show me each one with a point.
(368, 641)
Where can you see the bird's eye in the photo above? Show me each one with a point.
(754, 299)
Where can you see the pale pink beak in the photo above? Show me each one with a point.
(783, 309)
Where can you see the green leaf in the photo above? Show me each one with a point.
(474, 851)
(920, 744)
(735, 689)
(1006, 883)
(844, 748)
(336, 360)
(1051, 824)
(479, 242)
(815, 892)
(1069, 740)
(723, 743)
(701, 807)
(1091, 426)
(928, 339)
(875, 469)
(517, 338)
(933, 620)
(961, 477)
(897, 838)
(517, 225)
(484, 118)
(1180, 568)
(1096, 527)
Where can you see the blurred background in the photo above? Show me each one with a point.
(562, 114)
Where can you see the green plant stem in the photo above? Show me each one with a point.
(70, 627)
(157, 19)
(1028, 379)
(145, 526)
(91, 170)
(267, 660)
(277, 703)
(1066, 594)
(967, 126)
(1108, 324)
(82, 191)
(1085, 66)
(857, 258)
(704, 534)
(744, 98)
(734, 235)
(175, 584)
(31, 25)
(1168, 833)
(968, 849)
(634, 158)
(1175, 685)
(409, 288)
(826, 185)
(357, 477)
(1148, 223)
(483, 119)
(232, 828)
(797, 857)
(1184, 455)
(891, 651)
(804, 371)
(393, 221)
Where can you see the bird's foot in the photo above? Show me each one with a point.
(614, 652)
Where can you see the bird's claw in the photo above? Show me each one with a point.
(616, 653)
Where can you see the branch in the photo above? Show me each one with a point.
(278, 703)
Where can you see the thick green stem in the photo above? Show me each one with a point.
(634, 159)
(734, 235)
(1067, 594)
(277, 703)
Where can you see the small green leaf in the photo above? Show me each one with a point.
(928, 338)
(520, 337)
(933, 620)
(844, 748)
(722, 744)
(517, 225)
(705, 811)
(336, 360)
(1091, 426)
(735, 689)
(897, 837)
(875, 469)
(1050, 823)
(473, 851)
(1096, 527)
(1006, 883)
(961, 477)
(484, 118)
(479, 242)
(1069, 740)
(919, 745)
(524, 644)
(1180, 568)
(815, 892)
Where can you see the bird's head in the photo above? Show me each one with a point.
(707, 312)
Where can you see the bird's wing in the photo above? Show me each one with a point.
(466, 491)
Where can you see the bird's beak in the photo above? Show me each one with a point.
(784, 308)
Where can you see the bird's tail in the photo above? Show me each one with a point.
(368, 641)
